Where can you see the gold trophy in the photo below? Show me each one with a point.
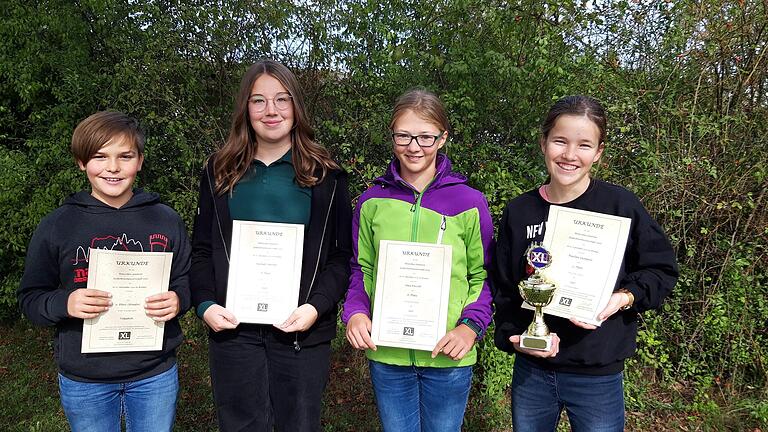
(538, 292)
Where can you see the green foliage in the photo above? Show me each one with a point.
(489, 405)
(684, 84)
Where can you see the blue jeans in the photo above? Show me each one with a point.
(148, 405)
(416, 399)
(594, 403)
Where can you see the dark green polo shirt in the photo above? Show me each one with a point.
(270, 194)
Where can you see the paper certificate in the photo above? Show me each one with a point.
(130, 277)
(264, 271)
(411, 300)
(587, 249)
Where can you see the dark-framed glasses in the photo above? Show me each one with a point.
(282, 101)
(423, 140)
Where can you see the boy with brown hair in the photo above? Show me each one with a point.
(98, 389)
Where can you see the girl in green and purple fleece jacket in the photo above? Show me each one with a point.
(419, 199)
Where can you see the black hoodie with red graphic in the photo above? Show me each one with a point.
(57, 264)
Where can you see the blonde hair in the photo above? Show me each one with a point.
(425, 104)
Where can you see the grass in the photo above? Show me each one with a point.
(29, 393)
(29, 396)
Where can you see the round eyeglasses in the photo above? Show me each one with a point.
(423, 140)
(282, 101)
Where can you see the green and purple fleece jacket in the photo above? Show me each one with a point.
(392, 209)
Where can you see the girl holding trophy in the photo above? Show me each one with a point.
(578, 367)
(421, 201)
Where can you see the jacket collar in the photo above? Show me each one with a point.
(444, 175)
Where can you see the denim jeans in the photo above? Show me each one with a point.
(149, 405)
(594, 403)
(415, 399)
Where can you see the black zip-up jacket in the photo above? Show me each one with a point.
(325, 264)
(57, 265)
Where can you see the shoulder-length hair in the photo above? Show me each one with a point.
(310, 159)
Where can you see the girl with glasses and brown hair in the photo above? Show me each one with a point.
(420, 199)
(270, 169)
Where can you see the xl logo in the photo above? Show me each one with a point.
(408, 331)
(124, 335)
(539, 257)
(262, 307)
(565, 301)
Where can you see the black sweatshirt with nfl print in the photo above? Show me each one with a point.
(649, 271)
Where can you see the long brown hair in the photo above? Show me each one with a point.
(232, 160)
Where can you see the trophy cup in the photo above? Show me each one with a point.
(537, 292)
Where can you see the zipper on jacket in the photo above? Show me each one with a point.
(442, 230)
(296, 345)
(415, 209)
(416, 214)
(216, 212)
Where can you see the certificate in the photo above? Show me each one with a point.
(410, 306)
(587, 249)
(130, 277)
(264, 271)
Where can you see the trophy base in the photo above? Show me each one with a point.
(541, 343)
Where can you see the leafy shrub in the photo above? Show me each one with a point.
(684, 84)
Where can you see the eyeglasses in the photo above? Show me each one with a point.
(404, 139)
(282, 101)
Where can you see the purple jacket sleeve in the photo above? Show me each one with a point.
(357, 300)
(479, 250)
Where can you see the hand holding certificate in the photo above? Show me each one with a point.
(130, 277)
(587, 250)
(411, 301)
